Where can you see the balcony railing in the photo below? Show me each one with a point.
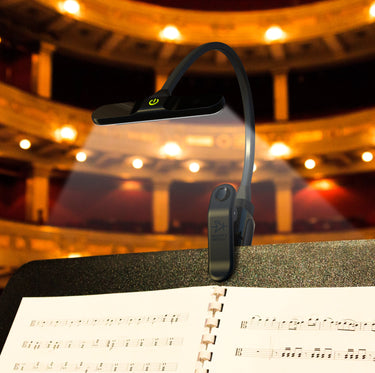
(21, 243)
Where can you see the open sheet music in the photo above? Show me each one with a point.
(201, 329)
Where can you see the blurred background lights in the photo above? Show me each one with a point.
(131, 185)
(170, 33)
(74, 255)
(279, 149)
(323, 184)
(274, 33)
(137, 163)
(194, 167)
(71, 6)
(171, 149)
(25, 144)
(367, 157)
(254, 167)
(66, 133)
(81, 156)
(310, 164)
(372, 10)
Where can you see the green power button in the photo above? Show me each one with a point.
(153, 101)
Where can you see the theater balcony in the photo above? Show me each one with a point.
(69, 188)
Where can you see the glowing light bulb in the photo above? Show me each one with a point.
(254, 167)
(274, 33)
(171, 149)
(137, 163)
(310, 164)
(194, 167)
(25, 144)
(367, 157)
(170, 33)
(71, 6)
(81, 156)
(279, 149)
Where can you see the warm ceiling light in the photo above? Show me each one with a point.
(194, 167)
(279, 149)
(66, 133)
(367, 157)
(254, 167)
(25, 144)
(131, 185)
(81, 156)
(170, 33)
(372, 10)
(310, 164)
(274, 33)
(323, 184)
(171, 149)
(71, 6)
(137, 163)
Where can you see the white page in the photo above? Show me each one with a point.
(282, 330)
(148, 331)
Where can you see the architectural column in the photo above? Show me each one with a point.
(37, 194)
(160, 207)
(160, 78)
(284, 205)
(41, 70)
(280, 96)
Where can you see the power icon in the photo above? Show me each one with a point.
(153, 101)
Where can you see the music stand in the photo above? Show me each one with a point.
(313, 264)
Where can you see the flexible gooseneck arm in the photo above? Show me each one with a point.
(230, 212)
(244, 191)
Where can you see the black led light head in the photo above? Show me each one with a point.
(230, 213)
(159, 106)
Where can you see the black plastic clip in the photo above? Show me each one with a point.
(220, 232)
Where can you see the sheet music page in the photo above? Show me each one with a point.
(306, 330)
(129, 332)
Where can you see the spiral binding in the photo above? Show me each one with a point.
(211, 322)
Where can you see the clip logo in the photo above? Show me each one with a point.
(219, 226)
(153, 101)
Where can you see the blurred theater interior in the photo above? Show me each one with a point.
(69, 188)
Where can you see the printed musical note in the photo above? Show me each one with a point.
(98, 343)
(126, 321)
(317, 353)
(328, 324)
(87, 367)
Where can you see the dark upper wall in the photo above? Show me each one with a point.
(225, 5)
(332, 89)
(87, 84)
(312, 93)
(15, 67)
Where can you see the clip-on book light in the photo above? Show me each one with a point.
(230, 213)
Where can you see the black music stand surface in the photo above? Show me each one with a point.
(317, 264)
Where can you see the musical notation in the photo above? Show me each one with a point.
(108, 322)
(301, 353)
(87, 367)
(108, 344)
(328, 324)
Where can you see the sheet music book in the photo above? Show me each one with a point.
(201, 329)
